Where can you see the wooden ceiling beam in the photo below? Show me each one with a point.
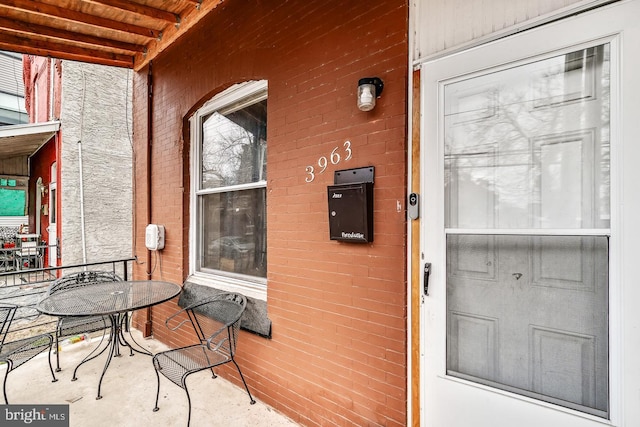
(36, 30)
(60, 13)
(171, 34)
(140, 9)
(196, 3)
(111, 32)
(32, 46)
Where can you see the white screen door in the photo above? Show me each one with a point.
(518, 158)
(53, 218)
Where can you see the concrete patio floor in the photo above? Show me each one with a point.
(129, 391)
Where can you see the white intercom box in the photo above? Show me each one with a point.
(154, 237)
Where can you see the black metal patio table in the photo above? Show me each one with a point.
(113, 299)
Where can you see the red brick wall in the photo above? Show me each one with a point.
(338, 352)
(39, 74)
(41, 78)
(41, 168)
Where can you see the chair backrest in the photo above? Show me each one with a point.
(29, 248)
(7, 311)
(213, 314)
(81, 278)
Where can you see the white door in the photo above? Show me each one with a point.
(523, 177)
(53, 220)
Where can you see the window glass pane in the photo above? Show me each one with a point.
(233, 148)
(52, 205)
(528, 314)
(234, 232)
(528, 146)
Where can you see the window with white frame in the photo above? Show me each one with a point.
(228, 221)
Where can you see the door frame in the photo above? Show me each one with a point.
(622, 113)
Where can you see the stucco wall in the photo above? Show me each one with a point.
(338, 350)
(96, 111)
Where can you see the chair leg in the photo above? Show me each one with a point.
(244, 382)
(124, 327)
(89, 356)
(49, 357)
(4, 382)
(156, 408)
(184, 385)
(57, 353)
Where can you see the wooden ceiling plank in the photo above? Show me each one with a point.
(68, 56)
(55, 12)
(51, 49)
(171, 34)
(141, 9)
(70, 36)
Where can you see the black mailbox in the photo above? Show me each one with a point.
(351, 212)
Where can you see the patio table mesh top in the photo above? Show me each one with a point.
(105, 298)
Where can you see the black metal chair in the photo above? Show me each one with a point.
(17, 353)
(72, 326)
(216, 322)
(6, 259)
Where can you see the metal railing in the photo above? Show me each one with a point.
(21, 258)
(26, 288)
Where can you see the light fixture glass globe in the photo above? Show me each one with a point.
(366, 97)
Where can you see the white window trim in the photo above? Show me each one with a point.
(248, 286)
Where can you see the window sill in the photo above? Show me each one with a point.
(250, 289)
(255, 318)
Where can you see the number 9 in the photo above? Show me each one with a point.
(322, 162)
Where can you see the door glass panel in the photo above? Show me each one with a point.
(528, 314)
(528, 147)
(527, 153)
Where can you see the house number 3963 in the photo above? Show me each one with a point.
(337, 155)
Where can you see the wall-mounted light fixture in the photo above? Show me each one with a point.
(41, 187)
(369, 88)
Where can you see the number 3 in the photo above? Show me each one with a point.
(311, 176)
(347, 149)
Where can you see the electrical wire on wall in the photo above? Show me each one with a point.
(157, 262)
(133, 171)
(134, 187)
(149, 150)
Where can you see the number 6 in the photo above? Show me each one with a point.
(335, 157)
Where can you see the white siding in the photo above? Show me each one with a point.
(11, 76)
(12, 109)
(447, 25)
(13, 221)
